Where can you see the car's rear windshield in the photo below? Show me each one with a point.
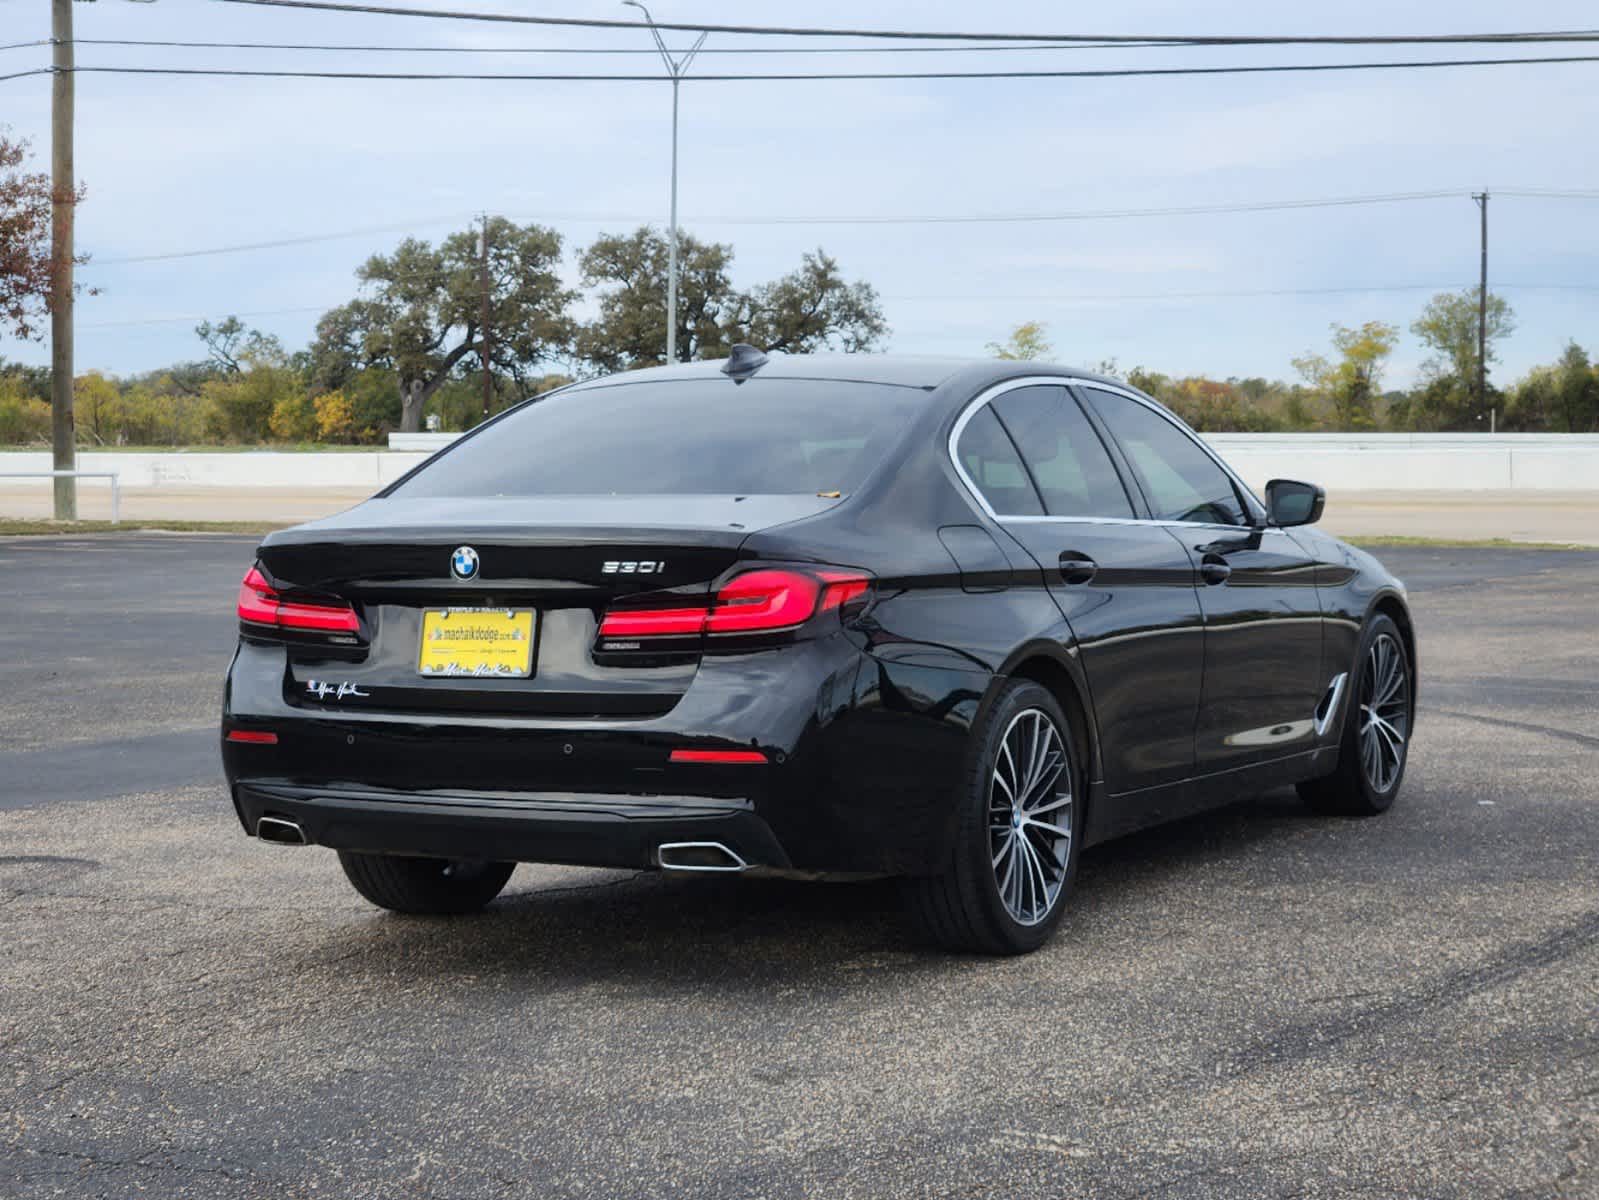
(680, 437)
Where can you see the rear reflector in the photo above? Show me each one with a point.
(261, 604)
(252, 737)
(718, 756)
(765, 600)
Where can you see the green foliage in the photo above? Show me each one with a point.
(423, 316)
(1026, 341)
(1561, 398)
(232, 345)
(415, 338)
(335, 418)
(240, 407)
(294, 418)
(1350, 386)
(811, 308)
(24, 418)
(1209, 405)
(97, 407)
(1446, 398)
(629, 272)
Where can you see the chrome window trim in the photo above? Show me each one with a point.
(999, 389)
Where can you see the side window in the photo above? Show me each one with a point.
(1181, 481)
(1069, 463)
(991, 462)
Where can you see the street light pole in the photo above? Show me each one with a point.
(64, 199)
(676, 68)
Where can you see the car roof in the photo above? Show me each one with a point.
(898, 370)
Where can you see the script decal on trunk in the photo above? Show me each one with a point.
(324, 690)
(637, 567)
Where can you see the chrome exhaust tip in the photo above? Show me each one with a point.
(698, 856)
(282, 831)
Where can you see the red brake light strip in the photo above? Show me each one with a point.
(718, 756)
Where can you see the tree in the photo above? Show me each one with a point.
(1351, 384)
(230, 344)
(423, 319)
(240, 405)
(1576, 390)
(1026, 342)
(631, 328)
(98, 404)
(812, 308)
(1448, 327)
(23, 417)
(26, 270)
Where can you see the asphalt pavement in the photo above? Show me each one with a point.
(1254, 1003)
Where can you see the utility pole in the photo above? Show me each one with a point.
(1482, 313)
(675, 69)
(483, 319)
(63, 201)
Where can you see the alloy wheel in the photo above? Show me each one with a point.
(1384, 713)
(1030, 816)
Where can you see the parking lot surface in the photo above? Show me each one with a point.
(1253, 1003)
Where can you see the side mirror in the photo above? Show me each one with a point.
(1289, 502)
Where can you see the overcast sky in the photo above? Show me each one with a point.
(180, 164)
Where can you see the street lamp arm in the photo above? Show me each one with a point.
(682, 67)
(660, 42)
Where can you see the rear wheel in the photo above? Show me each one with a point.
(1015, 852)
(1376, 738)
(425, 886)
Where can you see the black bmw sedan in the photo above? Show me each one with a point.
(823, 616)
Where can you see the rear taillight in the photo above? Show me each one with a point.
(262, 604)
(767, 600)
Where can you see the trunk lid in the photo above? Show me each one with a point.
(564, 558)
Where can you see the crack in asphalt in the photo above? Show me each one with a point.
(1308, 1038)
(1582, 739)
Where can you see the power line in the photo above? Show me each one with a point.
(931, 219)
(276, 244)
(1074, 298)
(1109, 73)
(740, 50)
(24, 74)
(1548, 194)
(1091, 214)
(25, 45)
(927, 35)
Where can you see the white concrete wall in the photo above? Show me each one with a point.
(1416, 462)
(1339, 462)
(371, 469)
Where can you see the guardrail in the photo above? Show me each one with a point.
(116, 490)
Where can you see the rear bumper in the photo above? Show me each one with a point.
(862, 760)
(578, 828)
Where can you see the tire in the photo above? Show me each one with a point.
(1363, 785)
(424, 886)
(963, 908)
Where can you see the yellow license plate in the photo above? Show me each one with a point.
(492, 643)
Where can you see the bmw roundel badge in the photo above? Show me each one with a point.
(463, 563)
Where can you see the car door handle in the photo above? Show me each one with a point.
(1076, 567)
(1213, 569)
